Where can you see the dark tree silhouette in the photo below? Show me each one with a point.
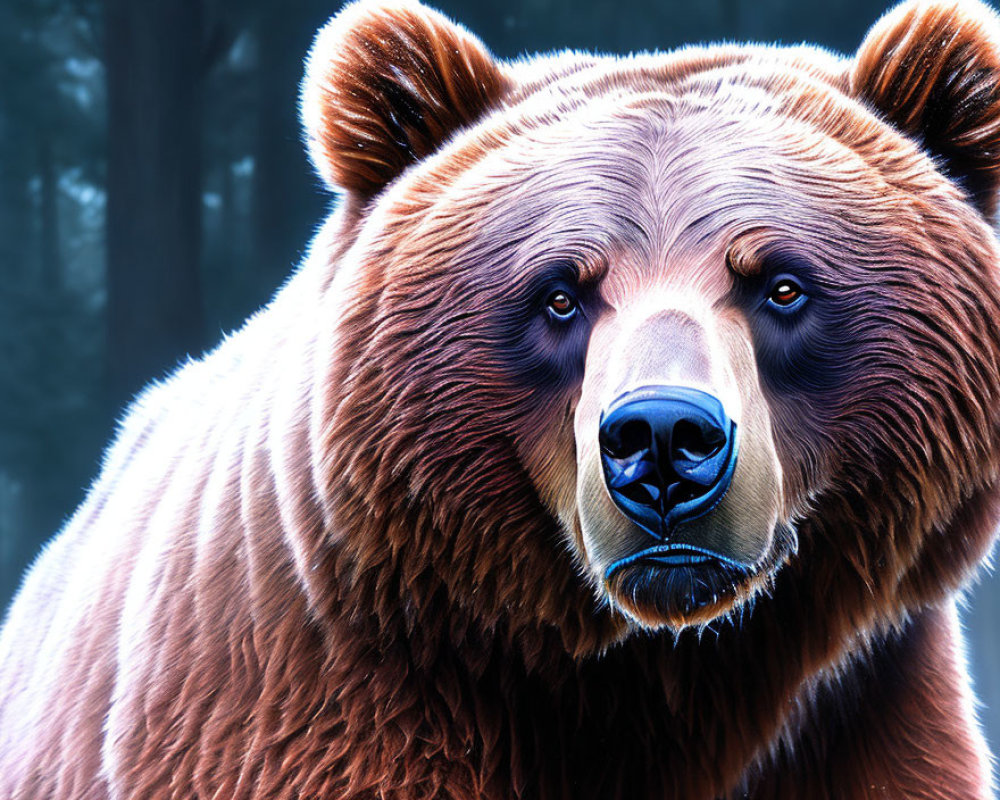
(154, 66)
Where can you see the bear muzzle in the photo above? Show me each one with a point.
(678, 500)
(668, 455)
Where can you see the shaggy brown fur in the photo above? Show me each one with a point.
(343, 556)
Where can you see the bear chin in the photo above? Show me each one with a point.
(656, 593)
(657, 596)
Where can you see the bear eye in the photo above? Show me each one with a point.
(562, 305)
(786, 294)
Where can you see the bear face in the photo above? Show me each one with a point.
(651, 332)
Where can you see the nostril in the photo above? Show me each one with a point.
(631, 436)
(645, 493)
(692, 442)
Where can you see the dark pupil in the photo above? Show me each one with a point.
(785, 292)
(561, 303)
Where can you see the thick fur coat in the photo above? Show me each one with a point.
(365, 548)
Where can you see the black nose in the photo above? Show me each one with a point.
(669, 453)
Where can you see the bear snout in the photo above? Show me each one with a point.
(668, 454)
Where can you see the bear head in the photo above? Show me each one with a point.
(622, 344)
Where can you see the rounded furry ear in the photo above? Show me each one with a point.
(932, 69)
(387, 82)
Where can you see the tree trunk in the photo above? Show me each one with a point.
(285, 203)
(51, 273)
(228, 216)
(153, 59)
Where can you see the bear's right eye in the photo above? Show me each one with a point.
(562, 305)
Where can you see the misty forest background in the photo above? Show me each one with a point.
(154, 191)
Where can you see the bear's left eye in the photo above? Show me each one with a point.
(786, 295)
(562, 305)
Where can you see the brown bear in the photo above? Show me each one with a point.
(627, 433)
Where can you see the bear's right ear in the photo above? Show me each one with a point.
(387, 83)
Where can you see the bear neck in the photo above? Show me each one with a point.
(523, 718)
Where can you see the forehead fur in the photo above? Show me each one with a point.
(801, 86)
(651, 151)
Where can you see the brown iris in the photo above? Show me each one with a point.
(562, 304)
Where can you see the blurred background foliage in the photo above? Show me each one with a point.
(154, 192)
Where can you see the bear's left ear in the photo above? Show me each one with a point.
(932, 69)
(387, 83)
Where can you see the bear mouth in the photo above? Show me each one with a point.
(674, 555)
(676, 585)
